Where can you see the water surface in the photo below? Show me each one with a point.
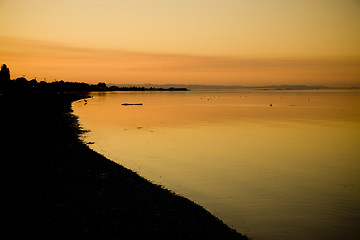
(273, 164)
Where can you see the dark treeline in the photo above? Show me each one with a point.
(22, 85)
(55, 96)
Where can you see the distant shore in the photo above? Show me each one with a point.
(58, 188)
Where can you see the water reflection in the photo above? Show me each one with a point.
(289, 170)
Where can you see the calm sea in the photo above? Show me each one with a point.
(273, 164)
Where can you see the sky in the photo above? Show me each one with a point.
(217, 42)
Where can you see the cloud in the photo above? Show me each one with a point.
(86, 64)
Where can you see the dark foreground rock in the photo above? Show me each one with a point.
(57, 188)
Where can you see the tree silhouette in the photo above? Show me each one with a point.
(4, 76)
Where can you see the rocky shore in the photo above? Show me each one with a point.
(58, 188)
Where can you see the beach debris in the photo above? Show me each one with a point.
(130, 104)
(270, 104)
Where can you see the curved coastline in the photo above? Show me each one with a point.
(57, 187)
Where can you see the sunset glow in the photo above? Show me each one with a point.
(186, 42)
(182, 119)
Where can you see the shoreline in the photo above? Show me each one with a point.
(57, 187)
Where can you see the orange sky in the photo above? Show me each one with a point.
(227, 42)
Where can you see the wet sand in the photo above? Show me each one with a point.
(56, 187)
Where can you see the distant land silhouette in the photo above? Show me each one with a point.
(22, 85)
(204, 87)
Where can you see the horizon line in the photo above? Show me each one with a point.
(211, 86)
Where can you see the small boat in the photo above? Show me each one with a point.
(130, 104)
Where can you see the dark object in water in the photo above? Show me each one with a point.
(129, 104)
